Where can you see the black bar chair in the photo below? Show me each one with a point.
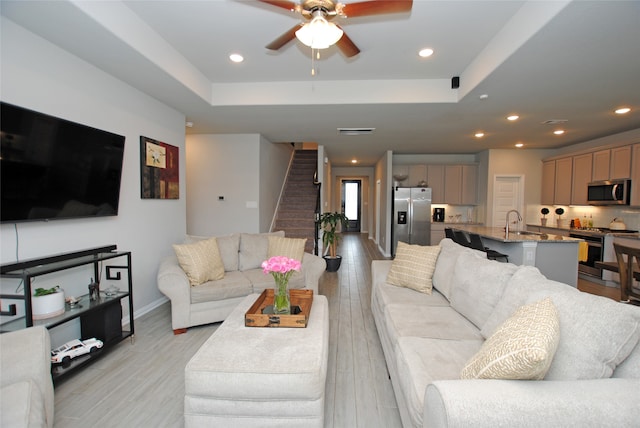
(448, 233)
(476, 243)
(626, 267)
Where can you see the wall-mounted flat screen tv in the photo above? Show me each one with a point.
(52, 168)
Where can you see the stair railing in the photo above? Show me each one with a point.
(316, 234)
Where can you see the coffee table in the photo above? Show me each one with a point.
(259, 377)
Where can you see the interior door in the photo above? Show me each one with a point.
(351, 206)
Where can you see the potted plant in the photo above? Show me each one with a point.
(559, 212)
(330, 237)
(47, 302)
(543, 220)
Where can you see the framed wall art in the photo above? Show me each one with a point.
(159, 174)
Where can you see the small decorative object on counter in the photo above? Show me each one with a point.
(543, 220)
(559, 212)
(281, 268)
(94, 290)
(47, 302)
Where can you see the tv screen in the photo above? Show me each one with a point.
(52, 168)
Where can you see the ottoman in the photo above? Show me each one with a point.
(259, 376)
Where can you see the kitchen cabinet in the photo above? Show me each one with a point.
(417, 173)
(620, 162)
(437, 233)
(460, 184)
(563, 181)
(635, 175)
(582, 166)
(435, 179)
(548, 182)
(612, 163)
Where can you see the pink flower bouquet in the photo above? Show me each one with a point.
(281, 268)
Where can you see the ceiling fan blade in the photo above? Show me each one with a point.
(284, 39)
(289, 5)
(346, 46)
(376, 7)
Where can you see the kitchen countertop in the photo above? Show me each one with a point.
(568, 229)
(497, 234)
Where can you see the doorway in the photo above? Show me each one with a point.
(350, 204)
(507, 195)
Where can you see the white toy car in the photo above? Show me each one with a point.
(74, 348)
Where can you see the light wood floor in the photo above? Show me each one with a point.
(141, 384)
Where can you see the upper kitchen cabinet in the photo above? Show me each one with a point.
(460, 184)
(417, 174)
(582, 165)
(612, 163)
(435, 179)
(635, 175)
(563, 181)
(548, 182)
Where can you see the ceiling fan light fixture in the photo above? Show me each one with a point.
(319, 33)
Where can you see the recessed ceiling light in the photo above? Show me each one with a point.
(623, 110)
(354, 160)
(513, 117)
(189, 124)
(424, 53)
(559, 131)
(236, 57)
(484, 96)
(518, 145)
(479, 134)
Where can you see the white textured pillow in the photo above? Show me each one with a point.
(201, 261)
(254, 248)
(413, 266)
(287, 247)
(522, 347)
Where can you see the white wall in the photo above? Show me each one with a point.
(383, 172)
(246, 169)
(40, 76)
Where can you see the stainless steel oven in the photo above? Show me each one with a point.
(595, 241)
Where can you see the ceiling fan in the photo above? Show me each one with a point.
(319, 33)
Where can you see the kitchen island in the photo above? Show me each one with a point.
(555, 255)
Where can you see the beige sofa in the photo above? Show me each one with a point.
(26, 394)
(212, 301)
(594, 374)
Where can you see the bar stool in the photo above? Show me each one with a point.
(626, 266)
(448, 233)
(476, 243)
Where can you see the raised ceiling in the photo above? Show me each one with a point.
(569, 60)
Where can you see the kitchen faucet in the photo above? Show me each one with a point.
(506, 229)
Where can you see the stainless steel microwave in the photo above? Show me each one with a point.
(609, 192)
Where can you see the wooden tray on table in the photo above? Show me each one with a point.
(255, 317)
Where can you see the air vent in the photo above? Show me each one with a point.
(554, 121)
(355, 131)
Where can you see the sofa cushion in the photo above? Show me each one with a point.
(234, 284)
(439, 322)
(413, 266)
(521, 348)
(477, 286)
(445, 265)
(254, 248)
(287, 247)
(421, 361)
(201, 261)
(227, 245)
(630, 367)
(386, 294)
(596, 333)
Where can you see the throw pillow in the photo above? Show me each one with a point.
(413, 266)
(522, 347)
(201, 261)
(254, 248)
(287, 247)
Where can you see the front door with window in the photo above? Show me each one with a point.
(351, 190)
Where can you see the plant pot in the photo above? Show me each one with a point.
(47, 306)
(333, 263)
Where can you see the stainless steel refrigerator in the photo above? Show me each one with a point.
(411, 216)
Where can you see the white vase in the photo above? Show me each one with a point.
(47, 306)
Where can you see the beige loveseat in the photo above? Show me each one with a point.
(212, 301)
(588, 356)
(26, 394)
